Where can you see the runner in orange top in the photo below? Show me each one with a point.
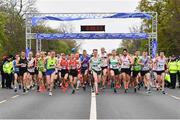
(73, 68)
(63, 65)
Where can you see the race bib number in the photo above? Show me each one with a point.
(84, 65)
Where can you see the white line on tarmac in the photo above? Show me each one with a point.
(177, 98)
(93, 112)
(15, 96)
(3, 101)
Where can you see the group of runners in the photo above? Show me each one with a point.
(48, 70)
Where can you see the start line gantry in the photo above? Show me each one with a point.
(32, 20)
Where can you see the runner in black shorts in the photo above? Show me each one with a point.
(73, 74)
(23, 70)
(63, 65)
(114, 69)
(136, 70)
(126, 62)
(84, 59)
(145, 71)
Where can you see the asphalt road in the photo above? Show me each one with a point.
(79, 106)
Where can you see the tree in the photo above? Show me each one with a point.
(15, 24)
(12, 28)
(168, 23)
(3, 37)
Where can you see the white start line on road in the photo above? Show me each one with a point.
(177, 98)
(93, 112)
(3, 101)
(15, 96)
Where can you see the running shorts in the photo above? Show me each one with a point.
(160, 72)
(83, 70)
(31, 73)
(135, 73)
(97, 72)
(50, 71)
(64, 72)
(144, 72)
(18, 73)
(116, 71)
(126, 70)
(36, 71)
(21, 72)
(73, 72)
(106, 67)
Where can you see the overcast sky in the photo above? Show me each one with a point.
(112, 26)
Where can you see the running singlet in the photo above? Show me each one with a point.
(104, 60)
(31, 63)
(84, 61)
(64, 64)
(41, 65)
(160, 64)
(51, 63)
(73, 64)
(114, 63)
(23, 63)
(136, 66)
(16, 68)
(96, 64)
(125, 62)
(145, 62)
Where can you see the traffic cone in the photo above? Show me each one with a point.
(42, 88)
(118, 86)
(63, 87)
(66, 84)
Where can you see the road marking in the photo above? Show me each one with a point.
(177, 98)
(93, 112)
(15, 96)
(3, 101)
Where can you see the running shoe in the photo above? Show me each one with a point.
(157, 89)
(27, 91)
(19, 87)
(38, 88)
(135, 90)
(145, 88)
(15, 90)
(84, 87)
(148, 91)
(139, 86)
(115, 90)
(50, 93)
(92, 89)
(163, 92)
(24, 90)
(126, 90)
(73, 91)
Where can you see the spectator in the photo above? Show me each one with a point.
(3, 82)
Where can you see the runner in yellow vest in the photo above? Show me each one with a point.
(50, 71)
